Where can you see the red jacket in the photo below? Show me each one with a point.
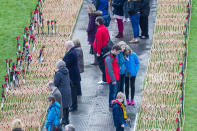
(112, 73)
(101, 38)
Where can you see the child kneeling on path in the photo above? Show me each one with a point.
(132, 67)
(119, 112)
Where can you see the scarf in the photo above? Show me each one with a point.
(123, 109)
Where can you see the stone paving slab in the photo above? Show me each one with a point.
(93, 113)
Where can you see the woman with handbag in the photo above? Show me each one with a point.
(53, 116)
(119, 15)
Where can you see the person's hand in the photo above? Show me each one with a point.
(97, 54)
(114, 83)
(122, 126)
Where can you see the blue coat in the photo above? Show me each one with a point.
(118, 115)
(132, 64)
(71, 60)
(121, 63)
(118, 7)
(53, 117)
(103, 6)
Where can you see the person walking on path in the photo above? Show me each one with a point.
(119, 112)
(17, 125)
(53, 115)
(134, 7)
(101, 40)
(103, 5)
(144, 13)
(71, 60)
(57, 94)
(132, 67)
(121, 64)
(112, 72)
(91, 30)
(119, 15)
(62, 82)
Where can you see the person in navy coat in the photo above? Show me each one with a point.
(71, 60)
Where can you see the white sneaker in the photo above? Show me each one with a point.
(102, 82)
(124, 20)
(128, 19)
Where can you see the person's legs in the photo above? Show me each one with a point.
(65, 119)
(119, 129)
(135, 24)
(141, 25)
(121, 84)
(132, 80)
(79, 92)
(74, 96)
(120, 28)
(127, 87)
(102, 67)
(144, 25)
(112, 93)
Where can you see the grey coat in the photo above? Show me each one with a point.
(62, 82)
(80, 58)
(56, 93)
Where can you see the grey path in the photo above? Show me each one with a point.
(93, 114)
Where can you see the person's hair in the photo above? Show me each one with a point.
(100, 20)
(77, 42)
(70, 127)
(128, 48)
(17, 124)
(122, 43)
(60, 64)
(51, 84)
(120, 95)
(116, 47)
(91, 8)
(69, 43)
(51, 98)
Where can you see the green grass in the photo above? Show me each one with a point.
(14, 16)
(191, 85)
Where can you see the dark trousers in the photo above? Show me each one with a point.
(112, 93)
(65, 119)
(79, 92)
(121, 83)
(102, 67)
(119, 129)
(74, 89)
(130, 80)
(144, 25)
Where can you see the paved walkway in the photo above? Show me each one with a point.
(93, 114)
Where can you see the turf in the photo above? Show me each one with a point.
(14, 16)
(191, 84)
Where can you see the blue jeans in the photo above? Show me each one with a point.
(112, 92)
(135, 19)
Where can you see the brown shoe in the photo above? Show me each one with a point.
(134, 40)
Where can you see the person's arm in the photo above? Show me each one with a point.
(137, 63)
(69, 60)
(57, 79)
(108, 62)
(50, 119)
(98, 42)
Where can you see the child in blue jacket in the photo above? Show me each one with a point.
(132, 66)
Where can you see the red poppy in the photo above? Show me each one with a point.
(31, 36)
(43, 46)
(24, 71)
(26, 28)
(52, 21)
(55, 22)
(6, 79)
(22, 52)
(181, 99)
(10, 60)
(6, 60)
(33, 18)
(42, 19)
(18, 44)
(18, 59)
(35, 21)
(181, 63)
(177, 129)
(17, 72)
(48, 22)
(40, 13)
(27, 46)
(18, 37)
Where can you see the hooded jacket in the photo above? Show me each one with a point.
(53, 116)
(62, 82)
(91, 30)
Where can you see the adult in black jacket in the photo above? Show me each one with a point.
(145, 10)
(71, 60)
(62, 82)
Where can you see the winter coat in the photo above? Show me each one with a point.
(132, 64)
(111, 68)
(17, 129)
(58, 97)
(62, 82)
(91, 31)
(118, 115)
(53, 116)
(80, 58)
(71, 60)
(101, 39)
(137, 7)
(121, 63)
(118, 7)
(145, 8)
(102, 5)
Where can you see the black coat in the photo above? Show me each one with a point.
(145, 8)
(80, 58)
(137, 7)
(118, 7)
(71, 60)
(62, 82)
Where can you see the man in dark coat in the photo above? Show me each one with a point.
(145, 10)
(71, 60)
(62, 82)
(57, 94)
